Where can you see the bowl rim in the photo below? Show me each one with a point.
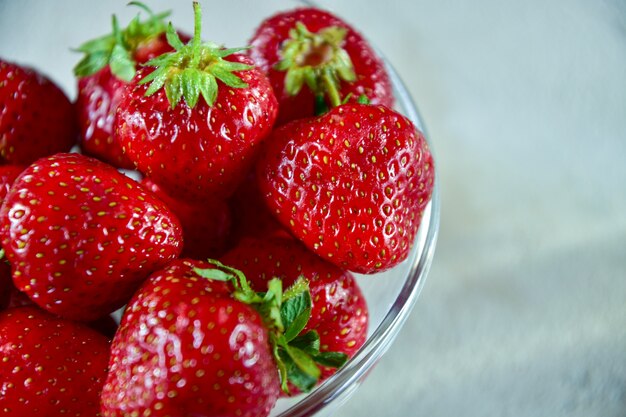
(340, 384)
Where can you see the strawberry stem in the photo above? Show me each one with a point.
(197, 30)
(117, 48)
(330, 87)
(193, 69)
(285, 315)
(317, 60)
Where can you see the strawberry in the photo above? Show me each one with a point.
(110, 62)
(250, 215)
(339, 311)
(351, 184)
(50, 366)
(11, 297)
(6, 284)
(14, 298)
(186, 347)
(312, 56)
(205, 226)
(8, 174)
(36, 117)
(199, 148)
(81, 237)
(197, 340)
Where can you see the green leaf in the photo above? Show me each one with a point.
(317, 60)
(363, 99)
(331, 359)
(226, 76)
(296, 364)
(158, 78)
(208, 89)
(308, 342)
(198, 65)
(141, 6)
(303, 361)
(249, 298)
(103, 44)
(160, 61)
(107, 50)
(133, 29)
(344, 66)
(174, 91)
(235, 66)
(270, 306)
(117, 33)
(301, 380)
(294, 80)
(190, 81)
(302, 31)
(214, 274)
(280, 363)
(224, 52)
(299, 286)
(172, 38)
(333, 35)
(285, 63)
(295, 313)
(91, 64)
(243, 292)
(274, 291)
(121, 63)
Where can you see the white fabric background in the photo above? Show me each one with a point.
(523, 313)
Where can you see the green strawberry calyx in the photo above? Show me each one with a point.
(117, 48)
(285, 314)
(317, 60)
(193, 69)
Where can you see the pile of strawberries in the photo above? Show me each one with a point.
(268, 173)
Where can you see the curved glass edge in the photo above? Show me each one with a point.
(386, 332)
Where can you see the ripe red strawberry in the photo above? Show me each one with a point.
(351, 184)
(250, 215)
(206, 226)
(313, 56)
(110, 62)
(6, 284)
(196, 340)
(36, 117)
(199, 148)
(339, 311)
(50, 366)
(185, 347)
(16, 298)
(8, 174)
(11, 297)
(81, 237)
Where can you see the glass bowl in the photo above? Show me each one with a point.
(390, 295)
(36, 38)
